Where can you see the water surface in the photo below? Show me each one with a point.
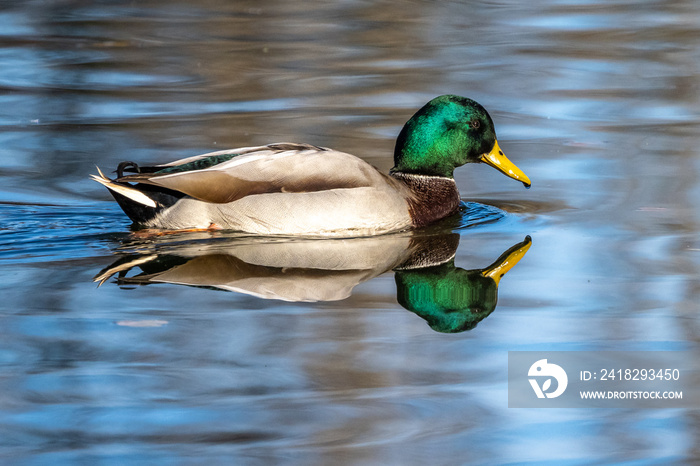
(596, 101)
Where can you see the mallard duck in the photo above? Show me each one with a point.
(301, 189)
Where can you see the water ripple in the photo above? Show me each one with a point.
(40, 233)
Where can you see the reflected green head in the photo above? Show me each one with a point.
(449, 299)
(446, 133)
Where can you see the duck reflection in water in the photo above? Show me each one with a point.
(450, 299)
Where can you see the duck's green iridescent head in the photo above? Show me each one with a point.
(446, 133)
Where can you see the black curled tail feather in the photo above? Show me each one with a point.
(128, 166)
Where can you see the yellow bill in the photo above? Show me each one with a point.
(500, 162)
(508, 259)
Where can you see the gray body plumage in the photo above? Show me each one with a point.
(280, 189)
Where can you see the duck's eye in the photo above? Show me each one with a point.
(474, 124)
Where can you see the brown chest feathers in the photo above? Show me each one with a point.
(433, 197)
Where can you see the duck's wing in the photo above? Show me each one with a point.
(191, 163)
(226, 176)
